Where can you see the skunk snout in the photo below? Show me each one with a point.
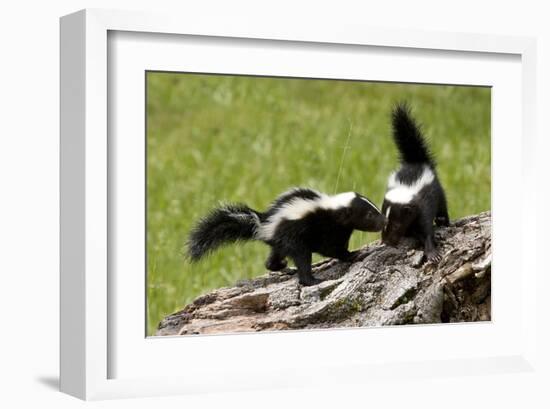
(376, 222)
(389, 238)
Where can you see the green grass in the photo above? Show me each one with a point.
(247, 139)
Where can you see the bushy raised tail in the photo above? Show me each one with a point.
(224, 225)
(408, 137)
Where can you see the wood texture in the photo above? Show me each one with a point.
(385, 286)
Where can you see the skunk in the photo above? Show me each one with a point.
(298, 223)
(414, 197)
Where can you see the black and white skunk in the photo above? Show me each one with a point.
(414, 197)
(298, 223)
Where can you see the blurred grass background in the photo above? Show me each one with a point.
(213, 138)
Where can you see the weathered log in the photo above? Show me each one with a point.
(386, 286)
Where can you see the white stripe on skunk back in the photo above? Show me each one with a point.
(399, 192)
(299, 207)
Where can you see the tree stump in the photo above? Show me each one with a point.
(386, 286)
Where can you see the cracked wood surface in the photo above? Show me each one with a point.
(387, 286)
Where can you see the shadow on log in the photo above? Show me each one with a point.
(387, 286)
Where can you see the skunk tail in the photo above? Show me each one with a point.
(408, 137)
(224, 225)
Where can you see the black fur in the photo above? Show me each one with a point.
(321, 231)
(408, 137)
(226, 224)
(415, 218)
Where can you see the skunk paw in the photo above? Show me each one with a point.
(308, 281)
(276, 265)
(433, 257)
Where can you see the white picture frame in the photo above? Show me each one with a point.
(102, 357)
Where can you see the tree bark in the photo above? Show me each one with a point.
(386, 286)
